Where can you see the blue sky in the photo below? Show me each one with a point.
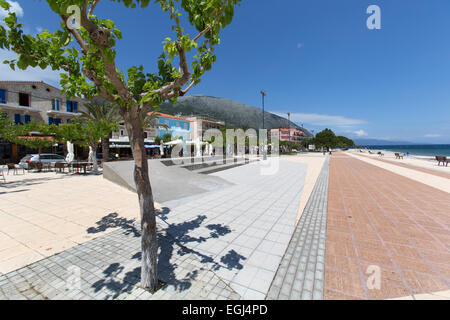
(316, 59)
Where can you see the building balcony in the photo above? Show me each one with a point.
(63, 113)
(23, 109)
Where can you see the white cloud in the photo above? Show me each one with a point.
(360, 133)
(322, 119)
(432, 135)
(31, 74)
(15, 7)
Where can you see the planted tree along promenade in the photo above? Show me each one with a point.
(83, 49)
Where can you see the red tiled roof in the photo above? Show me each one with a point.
(170, 116)
(287, 130)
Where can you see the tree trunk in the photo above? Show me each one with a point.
(149, 240)
(94, 161)
(105, 149)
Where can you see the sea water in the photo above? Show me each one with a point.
(429, 150)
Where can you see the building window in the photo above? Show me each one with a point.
(56, 121)
(56, 104)
(27, 118)
(145, 135)
(24, 99)
(121, 133)
(68, 120)
(2, 96)
(17, 119)
(72, 106)
(52, 120)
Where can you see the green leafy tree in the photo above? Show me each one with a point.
(167, 137)
(325, 139)
(99, 110)
(87, 133)
(344, 142)
(34, 135)
(5, 123)
(90, 70)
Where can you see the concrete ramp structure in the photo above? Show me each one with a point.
(169, 181)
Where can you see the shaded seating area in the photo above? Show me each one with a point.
(36, 166)
(14, 168)
(60, 167)
(442, 159)
(398, 155)
(79, 167)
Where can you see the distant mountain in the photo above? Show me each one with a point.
(377, 142)
(233, 113)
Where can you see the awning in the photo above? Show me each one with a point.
(36, 138)
(173, 143)
(119, 146)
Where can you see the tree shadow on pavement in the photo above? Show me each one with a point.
(174, 268)
(112, 221)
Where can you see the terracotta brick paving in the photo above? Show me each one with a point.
(376, 217)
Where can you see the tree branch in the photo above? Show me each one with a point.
(91, 10)
(165, 91)
(201, 34)
(91, 75)
(100, 36)
(76, 35)
(189, 87)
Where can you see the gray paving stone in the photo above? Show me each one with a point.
(306, 250)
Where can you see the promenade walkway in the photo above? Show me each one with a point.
(300, 275)
(380, 219)
(362, 223)
(225, 244)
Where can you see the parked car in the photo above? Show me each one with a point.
(44, 157)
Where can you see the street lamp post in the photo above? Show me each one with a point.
(289, 121)
(263, 93)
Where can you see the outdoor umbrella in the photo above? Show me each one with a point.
(70, 154)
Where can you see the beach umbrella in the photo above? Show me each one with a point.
(91, 155)
(70, 154)
(198, 147)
